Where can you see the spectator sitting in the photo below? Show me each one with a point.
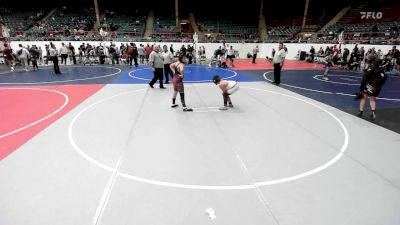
(395, 71)
(222, 61)
(321, 51)
(353, 63)
(340, 61)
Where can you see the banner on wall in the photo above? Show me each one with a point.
(371, 15)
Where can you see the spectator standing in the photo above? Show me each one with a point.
(64, 53)
(9, 57)
(142, 53)
(148, 50)
(190, 54)
(171, 49)
(112, 54)
(23, 55)
(101, 53)
(312, 53)
(72, 51)
(40, 55)
(132, 54)
(33, 51)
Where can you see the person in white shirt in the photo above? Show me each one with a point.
(142, 54)
(168, 58)
(231, 56)
(23, 55)
(64, 53)
(278, 60)
(255, 52)
(54, 58)
(117, 53)
(228, 87)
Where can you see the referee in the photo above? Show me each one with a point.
(278, 60)
(156, 60)
(54, 58)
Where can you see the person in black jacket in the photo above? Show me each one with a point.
(371, 85)
(189, 54)
(133, 53)
(72, 49)
(34, 57)
(102, 55)
(312, 53)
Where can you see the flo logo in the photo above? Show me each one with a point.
(371, 15)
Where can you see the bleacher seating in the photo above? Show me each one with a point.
(230, 30)
(125, 23)
(310, 28)
(282, 33)
(124, 27)
(63, 25)
(19, 22)
(165, 26)
(288, 30)
(363, 30)
(79, 25)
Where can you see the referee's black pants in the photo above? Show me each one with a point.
(158, 75)
(167, 72)
(277, 73)
(254, 58)
(55, 64)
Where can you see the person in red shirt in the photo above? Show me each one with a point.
(148, 50)
(9, 57)
(335, 50)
